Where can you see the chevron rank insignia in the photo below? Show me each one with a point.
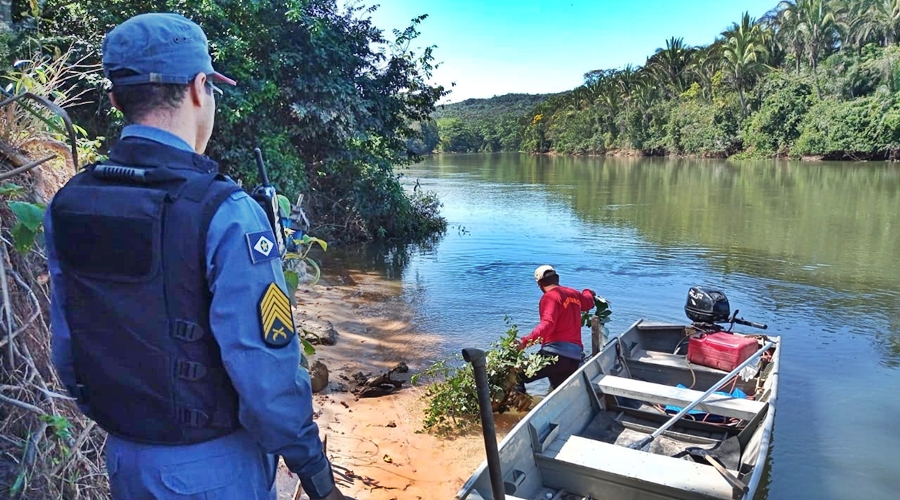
(262, 246)
(276, 318)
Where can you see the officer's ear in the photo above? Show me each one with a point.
(197, 90)
(114, 101)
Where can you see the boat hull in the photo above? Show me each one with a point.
(575, 442)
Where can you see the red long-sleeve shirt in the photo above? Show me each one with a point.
(560, 309)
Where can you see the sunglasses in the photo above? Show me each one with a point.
(215, 90)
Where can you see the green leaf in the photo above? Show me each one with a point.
(29, 214)
(16, 488)
(315, 267)
(308, 348)
(308, 240)
(284, 206)
(10, 189)
(23, 238)
(292, 279)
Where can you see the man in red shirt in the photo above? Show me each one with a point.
(559, 331)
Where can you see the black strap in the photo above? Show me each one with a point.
(188, 331)
(194, 418)
(189, 370)
(190, 417)
(223, 190)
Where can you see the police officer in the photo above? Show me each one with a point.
(171, 325)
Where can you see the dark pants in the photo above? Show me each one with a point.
(557, 372)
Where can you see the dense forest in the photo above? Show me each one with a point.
(810, 78)
(487, 125)
(333, 101)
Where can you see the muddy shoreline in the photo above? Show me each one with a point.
(377, 444)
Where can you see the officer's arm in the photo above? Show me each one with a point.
(61, 336)
(274, 393)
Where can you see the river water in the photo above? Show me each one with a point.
(808, 248)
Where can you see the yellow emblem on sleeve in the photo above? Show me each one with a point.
(275, 315)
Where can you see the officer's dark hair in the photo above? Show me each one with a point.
(549, 280)
(138, 101)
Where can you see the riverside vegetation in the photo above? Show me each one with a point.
(333, 104)
(452, 400)
(810, 78)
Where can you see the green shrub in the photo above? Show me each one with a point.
(452, 398)
(862, 128)
(702, 128)
(775, 126)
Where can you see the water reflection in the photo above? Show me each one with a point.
(832, 229)
(388, 260)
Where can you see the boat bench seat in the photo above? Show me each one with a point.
(716, 404)
(670, 360)
(576, 463)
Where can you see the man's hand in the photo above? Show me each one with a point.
(520, 345)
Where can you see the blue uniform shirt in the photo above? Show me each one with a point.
(274, 408)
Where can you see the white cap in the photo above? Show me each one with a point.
(544, 271)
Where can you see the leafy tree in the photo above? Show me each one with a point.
(743, 55)
(669, 65)
(774, 128)
(860, 128)
(328, 96)
(817, 24)
(874, 20)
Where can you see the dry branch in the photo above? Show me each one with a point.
(45, 442)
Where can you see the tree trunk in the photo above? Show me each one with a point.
(743, 102)
(5, 15)
(816, 79)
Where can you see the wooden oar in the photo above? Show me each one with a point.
(644, 444)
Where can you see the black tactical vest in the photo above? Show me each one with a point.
(131, 241)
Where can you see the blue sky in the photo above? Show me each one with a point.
(494, 47)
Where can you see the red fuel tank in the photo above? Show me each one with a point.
(721, 350)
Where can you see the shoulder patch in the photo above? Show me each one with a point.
(262, 246)
(275, 317)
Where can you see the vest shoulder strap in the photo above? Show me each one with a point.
(210, 191)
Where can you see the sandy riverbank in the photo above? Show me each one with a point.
(377, 438)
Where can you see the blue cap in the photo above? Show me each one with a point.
(160, 48)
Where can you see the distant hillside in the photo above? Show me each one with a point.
(475, 109)
(485, 125)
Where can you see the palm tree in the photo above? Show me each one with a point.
(874, 20)
(669, 65)
(704, 66)
(787, 33)
(626, 79)
(768, 26)
(743, 55)
(816, 22)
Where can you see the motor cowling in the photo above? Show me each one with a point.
(706, 305)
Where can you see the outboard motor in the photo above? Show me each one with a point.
(706, 305)
(709, 344)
